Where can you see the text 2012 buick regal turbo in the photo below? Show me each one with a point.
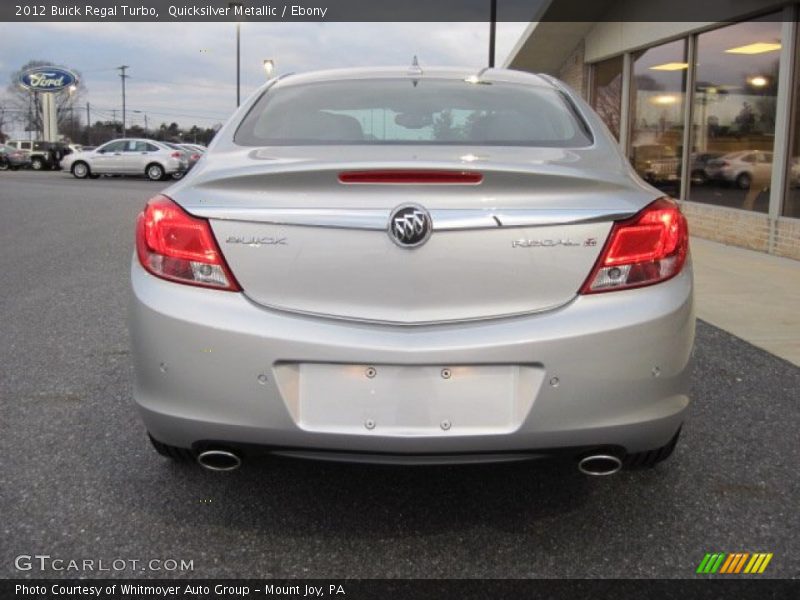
(413, 266)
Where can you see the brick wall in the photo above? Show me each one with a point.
(572, 71)
(743, 228)
(787, 238)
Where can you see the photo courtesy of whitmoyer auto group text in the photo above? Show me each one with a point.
(398, 300)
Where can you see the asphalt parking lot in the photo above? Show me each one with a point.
(79, 479)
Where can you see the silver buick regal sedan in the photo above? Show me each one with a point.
(413, 266)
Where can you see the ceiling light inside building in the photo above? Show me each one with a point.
(758, 81)
(757, 48)
(673, 66)
(664, 99)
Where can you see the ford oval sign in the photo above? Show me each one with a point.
(47, 79)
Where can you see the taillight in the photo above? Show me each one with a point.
(648, 248)
(174, 245)
(177, 155)
(195, 157)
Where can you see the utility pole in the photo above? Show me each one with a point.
(141, 112)
(88, 126)
(123, 77)
(492, 28)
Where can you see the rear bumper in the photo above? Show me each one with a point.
(212, 366)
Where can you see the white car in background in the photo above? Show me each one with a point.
(128, 156)
(741, 168)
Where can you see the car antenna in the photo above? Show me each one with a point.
(415, 69)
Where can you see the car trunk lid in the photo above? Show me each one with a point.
(522, 239)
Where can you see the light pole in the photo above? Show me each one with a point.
(492, 29)
(232, 6)
(238, 63)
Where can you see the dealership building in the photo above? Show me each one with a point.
(705, 111)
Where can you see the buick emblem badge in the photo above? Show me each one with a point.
(410, 226)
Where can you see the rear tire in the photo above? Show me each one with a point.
(651, 458)
(80, 170)
(172, 452)
(744, 181)
(37, 164)
(4, 166)
(154, 172)
(699, 177)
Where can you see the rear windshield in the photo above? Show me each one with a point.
(396, 111)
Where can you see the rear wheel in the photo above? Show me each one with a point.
(154, 172)
(80, 170)
(172, 452)
(699, 177)
(4, 166)
(37, 164)
(652, 457)
(743, 181)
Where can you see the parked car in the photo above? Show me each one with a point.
(656, 163)
(194, 152)
(699, 163)
(741, 168)
(191, 157)
(195, 147)
(498, 286)
(44, 155)
(13, 158)
(128, 156)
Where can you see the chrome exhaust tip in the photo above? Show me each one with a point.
(219, 460)
(599, 465)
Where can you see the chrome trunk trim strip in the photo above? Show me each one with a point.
(378, 219)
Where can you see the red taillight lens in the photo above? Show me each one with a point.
(195, 157)
(411, 176)
(177, 155)
(648, 248)
(174, 245)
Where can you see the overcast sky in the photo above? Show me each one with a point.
(186, 72)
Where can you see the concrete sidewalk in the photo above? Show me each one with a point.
(754, 296)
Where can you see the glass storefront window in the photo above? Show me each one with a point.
(607, 92)
(791, 205)
(658, 92)
(733, 133)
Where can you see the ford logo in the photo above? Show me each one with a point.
(47, 79)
